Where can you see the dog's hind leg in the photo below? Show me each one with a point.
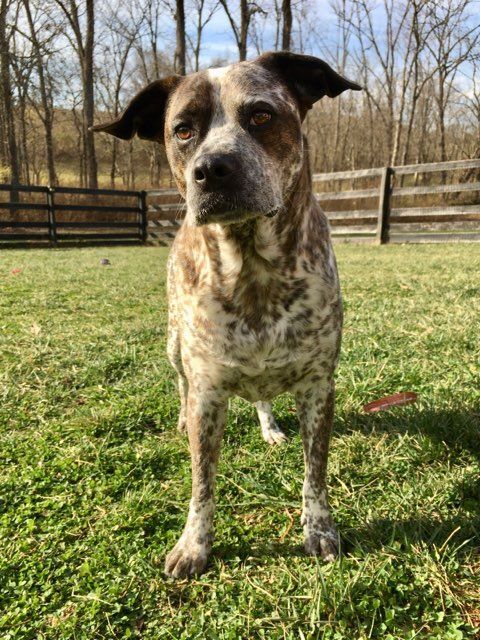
(183, 392)
(270, 430)
(175, 357)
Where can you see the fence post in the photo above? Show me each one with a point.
(384, 206)
(52, 225)
(143, 209)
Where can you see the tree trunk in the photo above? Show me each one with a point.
(3, 140)
(80, 145)
(287, 25)
(180, 38)
(113, 166)
(442, 147)
(8, 115)
(24, 155)
(131, 167)
(155, 166)
(89, 99)
(244, 22)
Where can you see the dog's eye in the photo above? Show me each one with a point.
(184, 133)
(260, 117)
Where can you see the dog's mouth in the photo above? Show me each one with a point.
(218, 209)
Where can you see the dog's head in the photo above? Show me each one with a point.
(233, 135)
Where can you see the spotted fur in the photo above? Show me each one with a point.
(255, 307)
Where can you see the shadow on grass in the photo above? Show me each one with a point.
(448, 536)
(459, 430)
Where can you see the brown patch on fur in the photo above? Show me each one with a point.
(192, 104)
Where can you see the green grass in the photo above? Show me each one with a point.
(95, 479)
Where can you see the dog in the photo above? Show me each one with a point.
(255, 307)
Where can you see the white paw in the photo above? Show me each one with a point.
(186, 559)
(274, 435)
(182, 424)
(324, 543)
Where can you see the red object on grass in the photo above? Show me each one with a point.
(397, 399)
(16, 271)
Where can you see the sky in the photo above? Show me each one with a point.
(219, 42)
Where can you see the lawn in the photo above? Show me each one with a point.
(95, 479)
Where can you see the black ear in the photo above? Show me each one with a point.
(308, 78)
(145, 113)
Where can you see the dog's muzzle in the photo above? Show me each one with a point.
(216, 173)
(222, 194)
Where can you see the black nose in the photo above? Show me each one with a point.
(213, 172)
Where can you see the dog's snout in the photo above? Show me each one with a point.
(213, 171)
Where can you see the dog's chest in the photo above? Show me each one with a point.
(263, 331)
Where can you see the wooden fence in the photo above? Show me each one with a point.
(410, 206)
(436, 202)
(63, 215)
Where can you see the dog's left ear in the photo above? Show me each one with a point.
(145, 113)
(309, 78)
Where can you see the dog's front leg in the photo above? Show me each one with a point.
(315, 410)
(206, 411)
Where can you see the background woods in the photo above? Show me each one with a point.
(67, 63)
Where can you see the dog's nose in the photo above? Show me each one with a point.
(213, 171)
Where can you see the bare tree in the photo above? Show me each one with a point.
(240, 31)
(204, 12)
(470, 114)
(381, 56)
(417, 60)
(7, 103)
(180, 49)
(454, 38)
(150, 16)
(120, 34)
(82, 40)
(287, 25)
(46, 114)
(22, 66)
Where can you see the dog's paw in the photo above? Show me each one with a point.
(274, 435)
(186, 559)
(324, 543)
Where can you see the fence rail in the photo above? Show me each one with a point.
(398, 217)
(72, 222)
(383, 208)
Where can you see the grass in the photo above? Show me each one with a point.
(95, 479)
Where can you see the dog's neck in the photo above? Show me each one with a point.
(271, 240)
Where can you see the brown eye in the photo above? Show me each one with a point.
(184, 133)
(260, 117)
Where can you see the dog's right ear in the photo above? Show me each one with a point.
(145, 113)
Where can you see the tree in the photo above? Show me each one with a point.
(204, 12)
(7, 102)
(240, 31)
(454, 38)
(179, 59)
(287, 25)
(82, 41)
(47, 112)
(120, 33)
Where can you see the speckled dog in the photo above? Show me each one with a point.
(254, 299)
